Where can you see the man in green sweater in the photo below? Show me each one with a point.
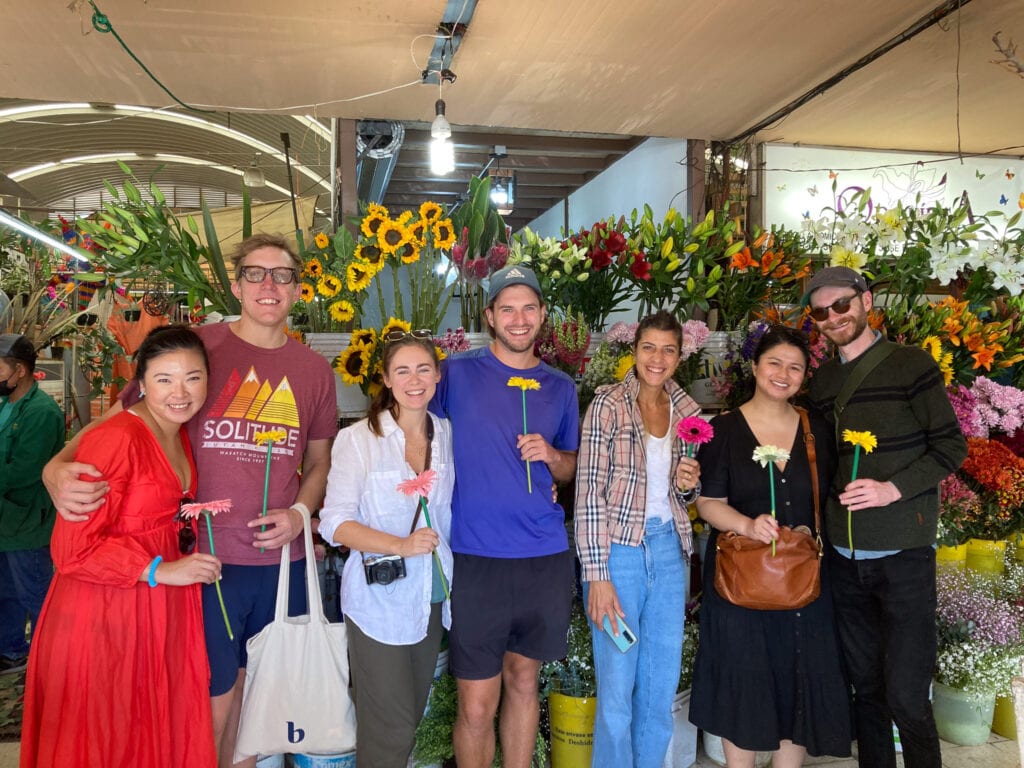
(882, 526)
(31, 432)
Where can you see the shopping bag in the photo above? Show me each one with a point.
(296, 696)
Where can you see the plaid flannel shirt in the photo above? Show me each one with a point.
(611, 476)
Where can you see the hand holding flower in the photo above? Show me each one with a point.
(763, 528)
(422, 541)
(687, 473)
(199, 568)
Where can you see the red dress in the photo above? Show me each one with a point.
(118, 673)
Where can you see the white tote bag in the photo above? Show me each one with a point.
(296, 696)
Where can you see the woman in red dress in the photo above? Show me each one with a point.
(118, 674)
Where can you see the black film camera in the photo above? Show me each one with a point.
(383, 569)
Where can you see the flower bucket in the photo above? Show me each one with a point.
(951, 557)
(959, 718)
(347, 760)
(682, 747)
(985, 556)
(713, 361)
(352, 403)
(270, 761)
(572, 730)
(1004, 722)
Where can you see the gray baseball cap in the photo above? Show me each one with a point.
(16, 346)
(516, 274)
(839, 277)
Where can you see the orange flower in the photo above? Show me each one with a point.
(983, 357)
(742, 260)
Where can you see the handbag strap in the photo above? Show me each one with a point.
(812, 460)
(314, 602)
(868, 362)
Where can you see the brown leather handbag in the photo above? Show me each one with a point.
(748, 575)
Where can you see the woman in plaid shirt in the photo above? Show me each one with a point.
(633, 537)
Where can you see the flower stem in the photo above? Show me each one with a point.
(266, 486)
(771, 485)
(529, 480)
(437, 558)
(220, 595)
(849, 512)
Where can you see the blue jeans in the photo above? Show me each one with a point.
(24, 580)
(635, 689)
(885, 611)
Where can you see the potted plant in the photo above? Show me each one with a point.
(979, 652)
(571, 689)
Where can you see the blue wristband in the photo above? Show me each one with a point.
(152, 570)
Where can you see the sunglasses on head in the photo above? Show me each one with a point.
(398, 335)
(839, 306)
(186, 530)
(280, 275)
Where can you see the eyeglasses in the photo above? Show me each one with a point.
(839, 306)
(186, 531)
(398, 335)
(280, 275)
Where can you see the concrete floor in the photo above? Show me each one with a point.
(997, 753)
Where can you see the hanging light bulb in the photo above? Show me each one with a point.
(499, 195)
(442, 151)
(253, 175)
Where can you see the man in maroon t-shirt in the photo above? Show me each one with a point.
(260, 379)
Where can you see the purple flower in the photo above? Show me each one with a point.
(695, 335)
(621, 333)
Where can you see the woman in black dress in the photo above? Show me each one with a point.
(768, 680)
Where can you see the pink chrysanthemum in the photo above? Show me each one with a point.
(693, 430)
(209, 507)
(421, 484)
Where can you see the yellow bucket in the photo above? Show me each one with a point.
(951, 557)
(985, 556)
(572, 730)
(1003, 721)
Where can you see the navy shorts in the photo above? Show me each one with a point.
(508, 604)
(250, 594)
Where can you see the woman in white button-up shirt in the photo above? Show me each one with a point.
(394, 628)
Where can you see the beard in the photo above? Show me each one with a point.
(850, 332)
(516, 343)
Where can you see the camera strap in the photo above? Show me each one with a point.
(426, 466)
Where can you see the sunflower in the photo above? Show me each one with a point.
(313, 268)
(418, 232)
(376, 383)
(430, 211)
(623, 366)
(328, 286)
(441, 355)
(365, 337)
(353, 363)
(394, 324)
(342, 311)
(444, 235)
(405, 218)
(358, 276)
(297, 334)
(391, 236)
(376, 215)
(307, 292)
(321, 240)
(409, 253)
(371, 254)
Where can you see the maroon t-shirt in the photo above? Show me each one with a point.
(252, 389)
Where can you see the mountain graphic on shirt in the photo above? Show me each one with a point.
(256, 400)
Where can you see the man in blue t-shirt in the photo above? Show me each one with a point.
(512, 584)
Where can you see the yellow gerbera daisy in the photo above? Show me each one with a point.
(353, 363)
(864, 440)
(371, 254)
(313, 268)
(430, 211)
(342, 311)
(358, 276)
(366, 337)
(307, 292)
(376, 215)
(328, 286)
(391, 236)
(321, 240)
(408, 253)
(394, 324)
(444, 235)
